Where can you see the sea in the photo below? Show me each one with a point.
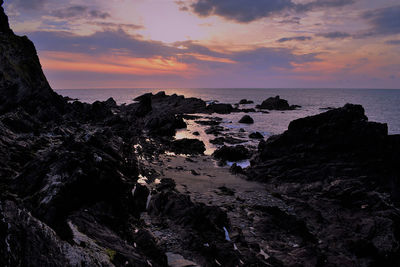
(381, 105)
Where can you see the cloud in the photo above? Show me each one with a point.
(240, 10)
(109, 45)
(27, 4)
(111, 26)
(335, 35)
(112, 42)
(317, 4)
(393, 42)
(79, 12)
(296, 38)
(245, 11)
(384, 20)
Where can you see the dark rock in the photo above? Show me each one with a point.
(164, 124)
(275, 103)
(144, 106)
(220, 108)
(256, 135)
(196, 133)
(22, 82)
(215, 130)
(246, 119)
(166, 184)
(226, 191)
(110, 103)
(4, 26)
(347, 164)
(194, 172)
(209, 123)
(232, 153)
(245, 102)
(236, 169)
(188, 146)
(228, 140)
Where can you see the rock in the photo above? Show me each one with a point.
(209, 122)
(194, 172)
(347, 164)
(215, 130)
(235, 169)
(164, 124)
(232, 153)
(228, 140)
(246, 119)
(256, 135)
(245, 102)
(22, 82)
(110, 103)
(188, 146)
(4, 26)
(275, 103)
(220, 108)
(166, 184)
(196, 133)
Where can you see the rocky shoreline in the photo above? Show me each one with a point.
(107, 185)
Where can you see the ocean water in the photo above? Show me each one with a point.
(381, 105)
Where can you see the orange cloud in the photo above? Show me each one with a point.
(65, 61)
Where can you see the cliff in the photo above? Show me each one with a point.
(22, 81)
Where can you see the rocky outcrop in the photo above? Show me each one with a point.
(232, 153)
(246, 119)
(340, 174)
(22, 82)
(245, 102)
(276, 103)
(188, 146)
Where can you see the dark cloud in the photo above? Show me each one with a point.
(240, 10)
(393, 42)
(317, 4)
(245, 11)
(79, 12)
(266, 58)
(296, 38)
(121, 43)
(335, 35)
(107, 26)
(27, 4)
(384, 20)
(101, 43)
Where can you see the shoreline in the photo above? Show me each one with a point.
(103, 184)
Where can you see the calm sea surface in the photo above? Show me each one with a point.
(381, 105)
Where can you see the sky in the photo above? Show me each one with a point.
(213, 43)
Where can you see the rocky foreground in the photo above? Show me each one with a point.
(97, 184)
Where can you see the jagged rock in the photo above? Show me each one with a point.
(276, 103)
(245, 102)
(346, 164)
(228, 140)
(256, 135)
(188, 146)
(22, 82)
(246, 119)
(232, 153)
(220, 108)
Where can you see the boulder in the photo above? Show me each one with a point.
(220, 108)
(232, 153)
(245, 102)
(188, 146)
(246, 119)
(256, 135)
(275, 103)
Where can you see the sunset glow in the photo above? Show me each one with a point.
(207, 43)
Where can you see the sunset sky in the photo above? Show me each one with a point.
(213, 43)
